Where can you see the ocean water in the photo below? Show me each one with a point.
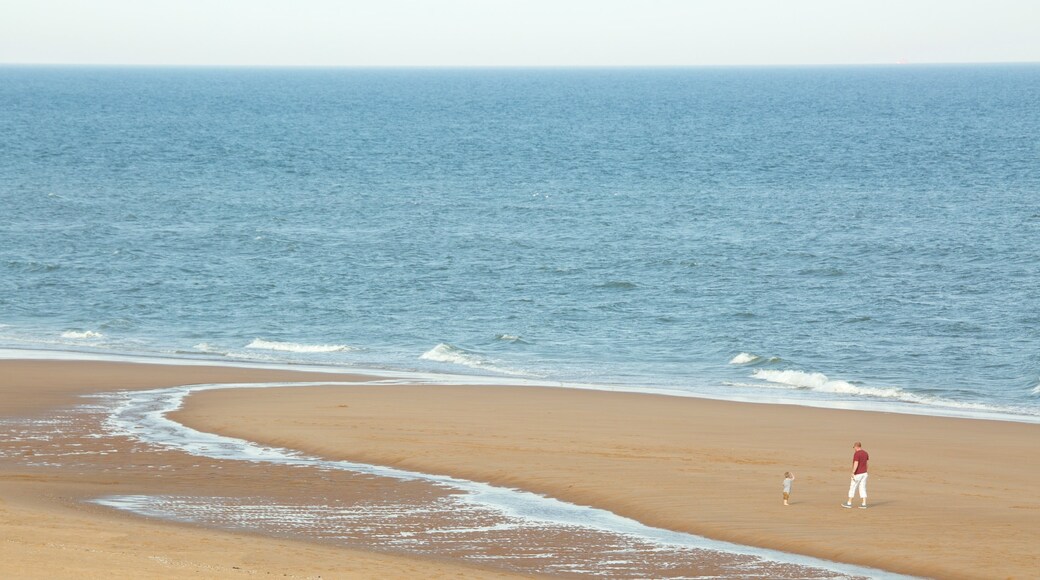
(856, 236)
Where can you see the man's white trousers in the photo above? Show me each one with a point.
(859, 480)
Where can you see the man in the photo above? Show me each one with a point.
(859, 475)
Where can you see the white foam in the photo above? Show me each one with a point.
(747, 358)
(207, 347)
(744, 358)
(1036, 389)
(79, 335)
(261, 344)
(819, 382)
(452, 354)
(446, 353)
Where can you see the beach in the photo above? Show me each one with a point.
(949, 498)
(48, 530)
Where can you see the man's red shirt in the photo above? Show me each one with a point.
(862, 457)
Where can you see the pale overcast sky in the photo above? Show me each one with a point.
(517, 32)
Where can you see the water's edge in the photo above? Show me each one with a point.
(433, 378)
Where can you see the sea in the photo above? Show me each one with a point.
(852, 237)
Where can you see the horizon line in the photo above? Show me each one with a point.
(513, 66)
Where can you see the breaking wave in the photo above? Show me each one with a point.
(446, 353)
(821, 383)
(747, 358)
(81, 334)
(208, 348)
(261, 344)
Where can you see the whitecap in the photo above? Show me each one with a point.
(208, 348)
(744, 358)
(81, 334)
(821, 383)
(261, 344)
(447, 353)
(747, 358)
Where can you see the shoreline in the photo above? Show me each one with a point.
(593, 457)
(865, 404)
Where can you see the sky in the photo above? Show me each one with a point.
(517, 32)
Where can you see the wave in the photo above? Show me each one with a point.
(261, 344)
(746, 358)
(452, 354)
(821, 383)
(79, 335)
(33, 266)
(208, 348)
(618, 285)
(446, 353)
(510, 338)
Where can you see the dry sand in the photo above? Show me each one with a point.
(949, 498)
(47, 531)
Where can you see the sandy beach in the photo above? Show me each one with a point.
(47, 530)
(950, 498)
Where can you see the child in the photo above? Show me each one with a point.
(788, 478)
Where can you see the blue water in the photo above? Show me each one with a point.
(856, 236)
